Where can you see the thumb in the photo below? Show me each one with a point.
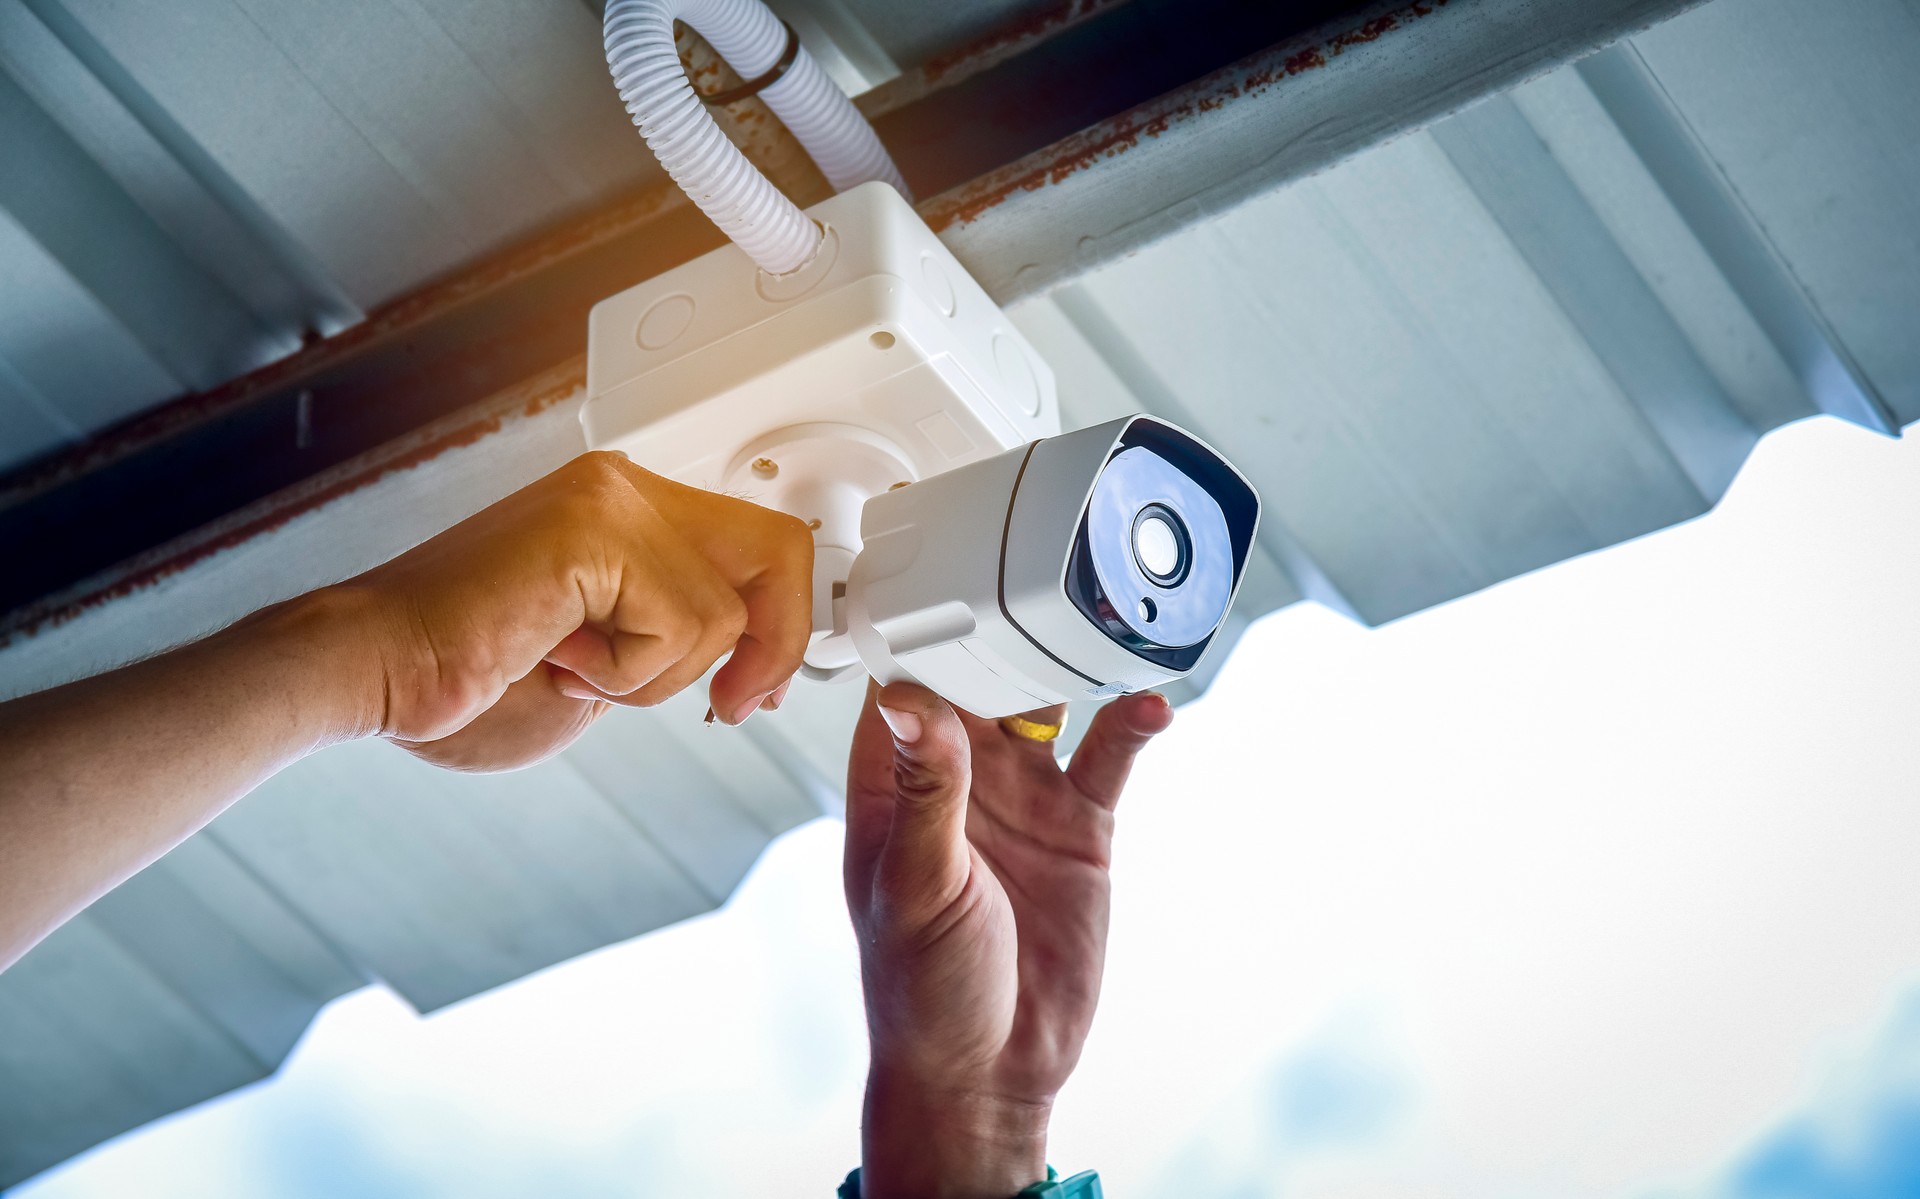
(924, 864)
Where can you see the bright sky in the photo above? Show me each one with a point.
(1596, 884)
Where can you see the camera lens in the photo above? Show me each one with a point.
(1161, 545)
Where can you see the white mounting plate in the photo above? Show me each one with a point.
(883, 331)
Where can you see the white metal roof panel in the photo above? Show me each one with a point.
(1807, 109)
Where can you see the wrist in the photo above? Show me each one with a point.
(944, 1142)
(323, 645)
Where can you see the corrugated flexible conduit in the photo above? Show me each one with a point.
(709, 168)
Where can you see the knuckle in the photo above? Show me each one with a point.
(787, 660)
(605, 464)
(587, 502)
(655, 691)
(620, 679)
(680, 633)
(671, 682)
(913, 917)
(789, 529)
(729, 615)
(919, 785)
(690, 622)
(796, 546)
(581, 474)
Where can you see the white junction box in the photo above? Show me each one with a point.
(878, 364)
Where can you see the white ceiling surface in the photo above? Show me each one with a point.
(1530, 332)
(191, 186)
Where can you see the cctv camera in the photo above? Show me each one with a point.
(881, 396)
(1081, 566)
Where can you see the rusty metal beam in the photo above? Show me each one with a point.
(1051, 149)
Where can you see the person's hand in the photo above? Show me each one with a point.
(976, 875)
(499, 641)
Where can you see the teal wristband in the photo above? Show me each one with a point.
(1084, 1185)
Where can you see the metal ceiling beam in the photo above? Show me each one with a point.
(1047, 151)
(1286, 112)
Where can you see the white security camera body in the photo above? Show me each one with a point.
(879, 394)
(967, 583)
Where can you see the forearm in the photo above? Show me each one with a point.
(100, 777)
(921, 1142)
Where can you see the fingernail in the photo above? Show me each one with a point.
(905, 725)
(747, 709)
(577, 693)
(772, 702)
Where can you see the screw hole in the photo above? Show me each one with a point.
(1148, 610)
(881, 340)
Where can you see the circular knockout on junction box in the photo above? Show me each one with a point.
(662, 324)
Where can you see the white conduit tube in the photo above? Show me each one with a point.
(709, 168)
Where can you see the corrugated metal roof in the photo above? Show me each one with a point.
(1555, 321)
(212, 182)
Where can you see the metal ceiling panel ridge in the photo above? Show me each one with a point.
(1281, 115)
(378, 146)
(178, 182)
(191, 979)
(185, 319)
(1827, 165)
(1727, 230)
(1450, 341)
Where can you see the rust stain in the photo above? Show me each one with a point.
(1249, 78)
(1310, 59)
(276, 511)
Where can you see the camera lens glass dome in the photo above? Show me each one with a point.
(1161, 545)
(1161, 554)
